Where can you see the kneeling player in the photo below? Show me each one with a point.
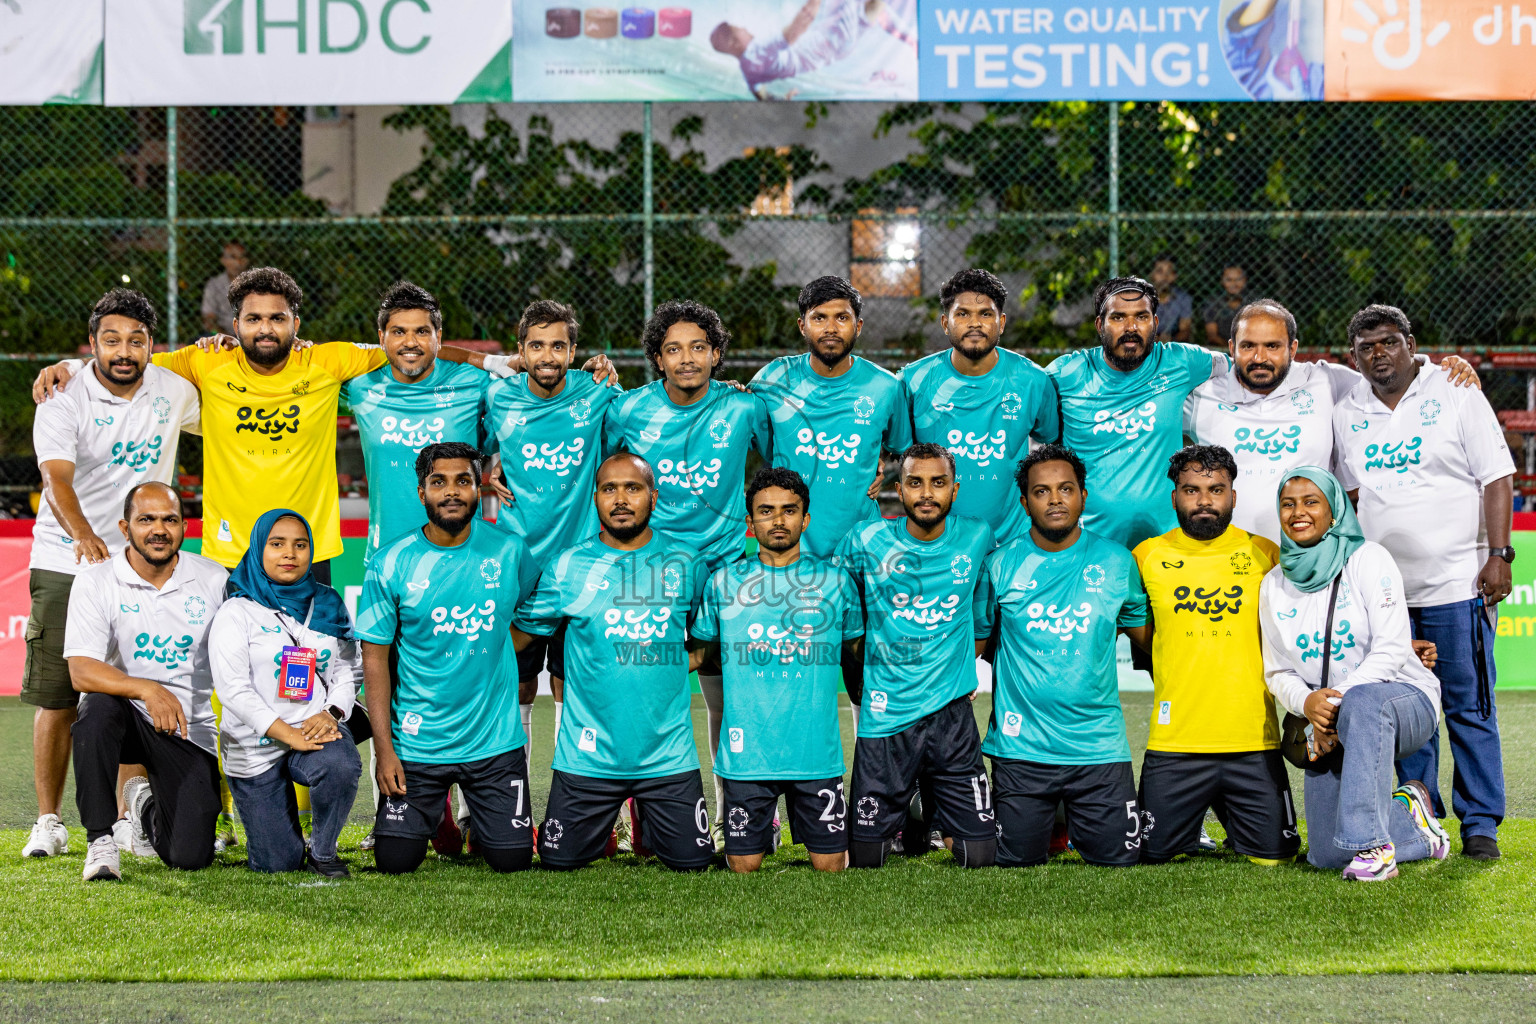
(441, 596)
(1057, 734)
(927, 600)
(624, 598)
(777, 624)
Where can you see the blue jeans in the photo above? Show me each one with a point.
(1352, 805)
(270, 814)
(1477, 780)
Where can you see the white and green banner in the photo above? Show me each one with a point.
(211, 52)
(50, 52)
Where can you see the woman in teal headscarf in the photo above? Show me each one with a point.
(286, 668)
(1338, 652)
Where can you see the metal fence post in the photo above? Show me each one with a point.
(648, 224)
(170, 228)
(1114, 189)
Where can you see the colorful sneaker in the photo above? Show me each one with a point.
(1376, 865)
(49, 838)
(470, 846)
(225, 830)
(1415, 796)
(449, 841)
(366, 843)
(619, 839)
(717, 836)
(778, 834)
(103, 863)
(1207, 844)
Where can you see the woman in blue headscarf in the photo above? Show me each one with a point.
(286, 668)
(1337, 652)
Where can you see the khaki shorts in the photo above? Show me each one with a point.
(45, 680)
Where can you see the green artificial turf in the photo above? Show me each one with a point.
(922, 918)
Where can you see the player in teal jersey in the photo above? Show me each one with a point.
(549, 426)
(439, 598)
(1122, 410)
(833, 413)
(780, 624)
(697, 433)
(1057, 734)
(414, 401)
(624, 598)
(927, 603)
(980, 401)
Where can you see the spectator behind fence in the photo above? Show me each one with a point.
(1175, 306)
(218, 313)
(1337, 652)
(1222, 310)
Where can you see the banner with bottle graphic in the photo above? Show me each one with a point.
(718, 50)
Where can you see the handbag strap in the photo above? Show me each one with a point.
(1333, 600)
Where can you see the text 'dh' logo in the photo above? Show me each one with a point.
(213, 26)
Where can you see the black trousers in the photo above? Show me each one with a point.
(183, 779)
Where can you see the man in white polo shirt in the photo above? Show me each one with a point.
(93, 443)
(137, 648)
(1430, 472)
(1273, 412)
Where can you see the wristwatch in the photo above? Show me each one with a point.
(1506, 553)
(335, 713)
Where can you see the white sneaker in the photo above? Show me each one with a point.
(102, 861)
(49, 838)
(136, 795)
(127, 840)
(1207, 844)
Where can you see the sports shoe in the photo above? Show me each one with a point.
(619, 840)
(225, 829)
(1415, 797)
(470, 846)
(936, 840)
(366, 843)
(1207, 844)
(778, 835)
(1059, 841)
(127, 839)
(333, 868)
(49, 838)
(102, 861)
(1376, 865)
(717, 836)
(636, 841)
(449, 841)
(1480, 848)
(136, 795)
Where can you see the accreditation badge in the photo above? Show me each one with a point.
(296, 674)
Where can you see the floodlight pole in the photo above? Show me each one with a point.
(1114, 189)
(170, 228)
(649, 224)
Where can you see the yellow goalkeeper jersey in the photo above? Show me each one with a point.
(269, 441)
(1207, 665)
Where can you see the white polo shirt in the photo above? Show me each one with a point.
(245, 649)
(1268, 434)
(114, 443)
(1421, 469)
(118, 617)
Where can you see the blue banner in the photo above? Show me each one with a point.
(1055, 50)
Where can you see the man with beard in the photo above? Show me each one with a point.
(697, 432)
(981, 402)
(1057, 733)
(624, 598)
(549, 425)
(927, 601)
(1214, 741)
(269, 414)
(440, 598)
(779, 624)
(1120, 409)
(137, 648)
(1274, 412)
(1430, 472)
(833, 412)
(117, 428)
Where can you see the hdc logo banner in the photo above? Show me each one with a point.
(1058, 50)
(1431, 50)
(50, 51)
(307, 51)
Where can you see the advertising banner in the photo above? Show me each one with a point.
(1056, 50)
(50, 52)
(718, 50)
(303, 52)
(1430, 50)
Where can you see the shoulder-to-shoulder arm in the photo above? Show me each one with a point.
(1482, 436)
(1200, 364)
(56, 428)
(345, 360)
(1268, 548)
(1283, 681)
(192, 408)
(188, 362)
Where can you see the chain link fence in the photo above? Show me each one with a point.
(613, 207)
